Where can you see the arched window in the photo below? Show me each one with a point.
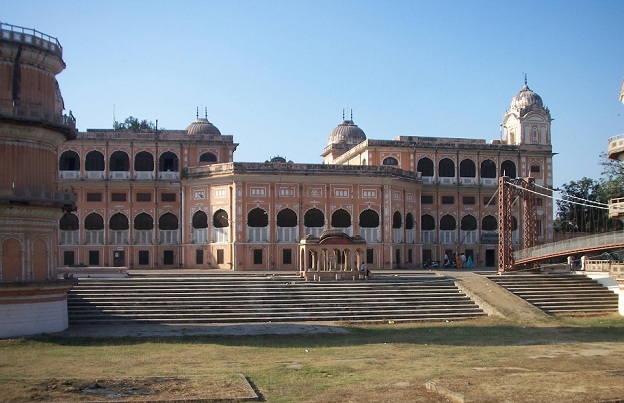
(390, 161)
(168, 222)
(467, 169)
(286, 218)
(220, 219)
(488, 169)
(396, 220)
(143, 162)
(489, 223)
(409, 221)
(425, 166)
(118, 222)
(143, 222)
(69, 222)
(168, 162)
(514, 223)
(341, 219)
(468, 223)
(119, 161)
(508, 168)
(200, 220)
(94, 222)
(257, 218)
(94, 161)
(448, 223)
(314, 218)
(427, 223)
(69, 161)
(446, 167)
(207, 158)
(369, 219)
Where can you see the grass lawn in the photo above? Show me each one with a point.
(484, 360)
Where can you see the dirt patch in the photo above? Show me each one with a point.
(497, 386)
(220, 389)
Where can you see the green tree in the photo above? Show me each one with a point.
(574, 215)
(612, 180)
(133, 124)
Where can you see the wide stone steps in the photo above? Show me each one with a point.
(226, 299)
(560, 293)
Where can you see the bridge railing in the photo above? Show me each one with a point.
(581, 243)
(615, 267)
(616, 207)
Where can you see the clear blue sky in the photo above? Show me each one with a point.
(277, 74)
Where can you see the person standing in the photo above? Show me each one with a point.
(458, 261)
(469, 262)
(363, 271)
(463, 261)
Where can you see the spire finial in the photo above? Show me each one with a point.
(197, 113)
(206, 113)
(352, 115)
(525, 79)
(342, 113)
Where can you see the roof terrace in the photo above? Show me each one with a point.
(31, 37)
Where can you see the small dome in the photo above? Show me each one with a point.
(203, 126)
(526, 98)
(347, 132)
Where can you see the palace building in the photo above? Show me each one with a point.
(178, 199)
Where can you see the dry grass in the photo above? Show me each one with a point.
(488, 360)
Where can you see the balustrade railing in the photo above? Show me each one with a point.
(287, 234)
(168, 237)
(315, 231)
(428, 237)
(585, 242)
(220, 235)
(121, 237)
(200, 235)
(69, 237)
(144, 237)
(94, 237)
(29, 36)
(371, 235)
(257, 234)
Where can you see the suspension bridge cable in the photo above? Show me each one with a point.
(555, 198)
(564, 194)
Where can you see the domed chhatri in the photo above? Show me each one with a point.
(203, 126)
(347, 132)
(526, 98)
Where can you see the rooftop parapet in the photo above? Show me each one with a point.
(31, 37)
(150, 135)
(35, 113)
(616, 147)
(299, 169)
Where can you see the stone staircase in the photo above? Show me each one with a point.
(560, 293)
(246, 299)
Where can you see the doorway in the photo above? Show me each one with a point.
(490, 258)
(119, 258)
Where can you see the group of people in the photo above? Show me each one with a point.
(461, 261)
